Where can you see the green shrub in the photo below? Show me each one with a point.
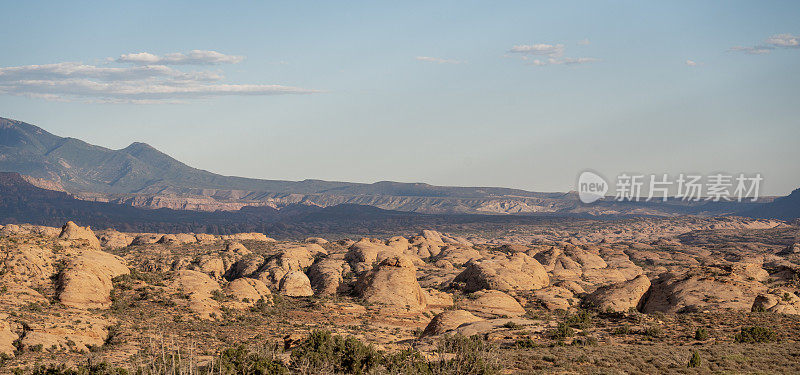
(563, 330)
(694, 360)
(701, 334)
(240, 361)
(322, 350)
(581, 319)
(755, 334)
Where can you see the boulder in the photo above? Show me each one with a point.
(177, 239)
(287, 260)
(316, 240)
(492, 303)
(66, 334)
(779, 301)
(393, 282)
(206, 238)
(555, 298)
(620, 297)
(85, 283)
(245, 267)
(447, 321)
(146, 239)
(71, 231)
(296, 284)
(363, 255)
(111, 239)
(700, 290)
(326, 276)
(246, 292)
(197, 290)
(7, 337)
(519, 272)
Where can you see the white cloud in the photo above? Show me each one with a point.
(584, 42)
(754, 50)
(784, 40)
(437, 60)
(771, 43)
(553, 53)
(539, 49)
(195, 57)
(692, 63)
(73, 81)
(563, 61)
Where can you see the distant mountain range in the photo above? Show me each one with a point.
(142, 176)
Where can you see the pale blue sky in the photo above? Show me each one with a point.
(427, 91)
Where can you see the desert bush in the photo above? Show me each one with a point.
(755, 334)
(325, 352)
(694, 360)
(96, 369)
(581, 319)
(701, 334)
(563, 330)
(241, 361)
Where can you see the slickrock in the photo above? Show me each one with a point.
(71, 231)
(29, 265)
(296, 284)
(198, 289)
(246, 292)
(620, 297)
(700, 290)
(111, 239)
(248, 237)
(85, 283)
(519, 272)
(780, 301)
(556, 298)
(393, 282)
(66, 334)
(287, 260)
(492, 303)
(447, 321)
(326, 276)
(7, 337)
(177, 239)
(363, 254)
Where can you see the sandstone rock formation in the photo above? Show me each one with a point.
(447, 321)
(85, 283)
(246, 292)
(393, 282)
(295, 284)
(519, 272)
(621, 297)
(326, 276)
(492, 303)
(71, 231)
(198, 289)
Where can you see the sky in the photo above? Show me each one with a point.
(518, 94)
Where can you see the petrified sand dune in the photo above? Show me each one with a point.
(447, 321)
(620, 297)
(393, 282)
(519, 272)
(85, 283)
(71, 231)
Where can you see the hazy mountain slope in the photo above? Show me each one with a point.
(784, 208)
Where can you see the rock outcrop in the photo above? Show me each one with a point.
(85, 283)
(71, 231)
(519, 272)
(621, 297)
(393, 282)
(492, 303)
(448, 321)
(296, 284)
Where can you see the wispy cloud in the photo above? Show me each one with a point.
(140, 83)
(552, 50)
(692, 63)
(438, 60)
(195, 57)
(770, 44)
(552, 54)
